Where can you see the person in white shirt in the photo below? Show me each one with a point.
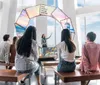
(5, 49)
(27, 54)
(66, 52)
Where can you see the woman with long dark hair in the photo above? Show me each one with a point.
(66, 49)
(27, 53)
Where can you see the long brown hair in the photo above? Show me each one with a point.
(66, 37)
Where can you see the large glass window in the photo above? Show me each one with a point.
(92, 2)
(93, 24)
(53, 27)
(26, 2)
(90, 23)
(50, 2)
(81, 3)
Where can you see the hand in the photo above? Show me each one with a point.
(88, 72)
(7, 64)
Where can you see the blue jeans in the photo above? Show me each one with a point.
(65, 66)
(44, 49)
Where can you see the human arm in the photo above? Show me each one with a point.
(7, 53)
(85, 60)
(49, 36)
(58, 46)
(34, 51)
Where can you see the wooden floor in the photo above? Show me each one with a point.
(50, 80)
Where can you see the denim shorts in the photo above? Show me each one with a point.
(65, 66)
(37, 73)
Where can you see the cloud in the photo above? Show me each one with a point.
(90, 19)
(92, 2)
(88, 2)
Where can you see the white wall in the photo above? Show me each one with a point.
(8, 15)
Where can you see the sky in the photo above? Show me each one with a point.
(92, 21)
(88, 2)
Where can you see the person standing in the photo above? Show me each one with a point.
(44, 43)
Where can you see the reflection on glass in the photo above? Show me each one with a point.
(82, 30)
(33, 11)
(32, 22)
(23, 19)
(50, 2)
(66, 23)
(82, 3)
(29, 2)
(93, 24)
(59, 15)
(19, 29)
(46, 10)
(51, 29)
(92, 2)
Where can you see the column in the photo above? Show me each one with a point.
(69, 7)
(8, 17)
(41, 23)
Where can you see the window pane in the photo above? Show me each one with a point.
(51, 30)
(58, 32)
(23, 19)
(81, 22)
(92, 2)
(59, 15)
(50, 2)
(80, 3)
(33, 11)
(29, 2)
(19, 2)
(93, 24)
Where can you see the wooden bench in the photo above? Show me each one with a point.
(12, 76)
(75, 76)
(5, 64)
(55, 63)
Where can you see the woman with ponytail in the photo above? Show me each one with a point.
(66, 52)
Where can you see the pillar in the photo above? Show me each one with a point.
(69, 7)
(41, 23)
(8, 17)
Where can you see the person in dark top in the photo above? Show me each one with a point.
(13, 51)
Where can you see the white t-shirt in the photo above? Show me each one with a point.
(4, 51)
(64, 53)
(23, 63)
